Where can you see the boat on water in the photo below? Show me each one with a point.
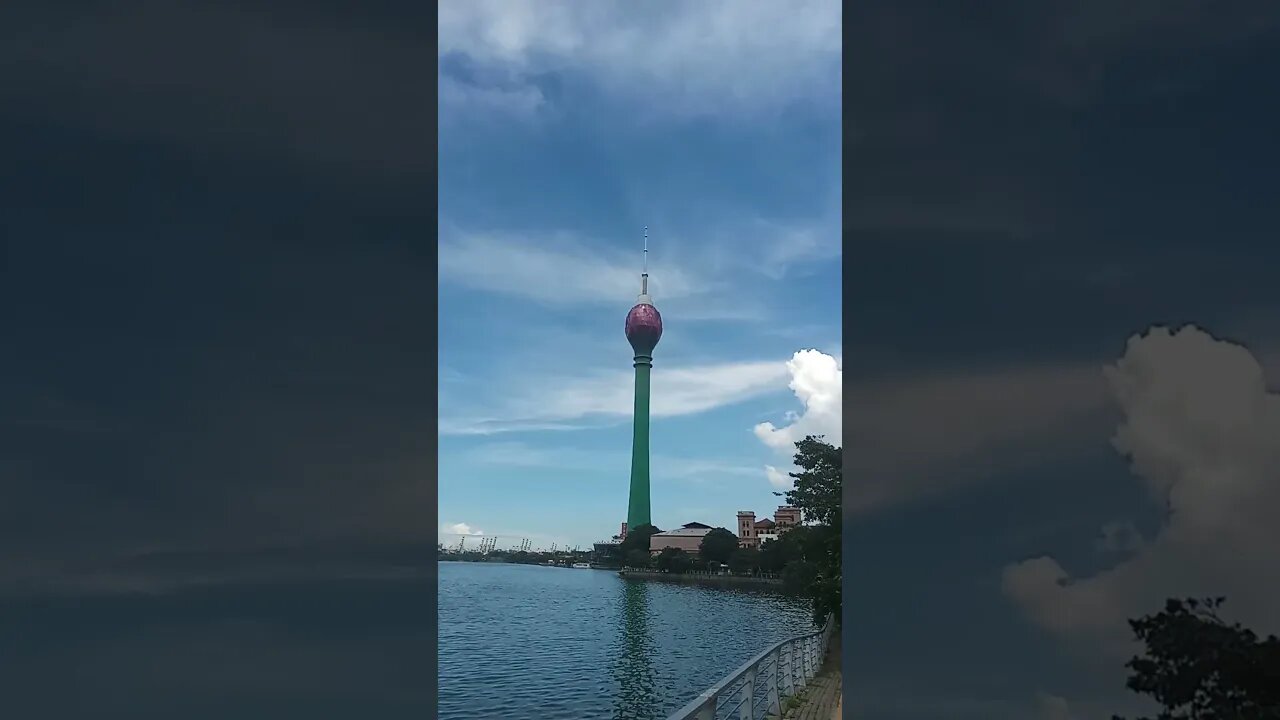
(585, 566)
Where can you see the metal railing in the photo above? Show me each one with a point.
(704, 573)
(757, 689)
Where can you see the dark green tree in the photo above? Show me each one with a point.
(798, 577)
(638, 558)
(818, 485)
(664, 559)
(789, 546)
(817, 492)
(681, 562)
(717, 546)
(744, 560)
(636, 539)
(1200, 668)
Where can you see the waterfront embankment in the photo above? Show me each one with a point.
(696, 578)
(823, 697)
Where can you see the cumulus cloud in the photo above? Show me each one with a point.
(461, 529)
(777, 478)
(816, 380)
(1199, 429)
(712, 56)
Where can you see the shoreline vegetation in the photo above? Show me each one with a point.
(804, 561)
(704, 578)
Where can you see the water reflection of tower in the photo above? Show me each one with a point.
(644, 330)
(633, 662)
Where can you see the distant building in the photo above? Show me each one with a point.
(752, 532)
(687, 538)
(603, 550)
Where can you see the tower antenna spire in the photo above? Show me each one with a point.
(644, 275)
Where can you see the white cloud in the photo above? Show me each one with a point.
(555, 403)
(714, 274)
(519, 454)
(557, 270)
(777, 478)
(1199, 429)
(460, 529)
(816, 379)
(479, 101)
(667, 58)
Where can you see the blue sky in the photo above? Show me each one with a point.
(562, 134)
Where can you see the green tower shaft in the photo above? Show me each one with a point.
(638, 504)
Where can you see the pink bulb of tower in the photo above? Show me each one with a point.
(644, 328)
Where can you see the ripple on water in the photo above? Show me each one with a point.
(523, 641)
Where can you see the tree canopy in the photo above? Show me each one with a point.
(1197, 666)
(818, 485)
(673, 560)
(744, 560)
(817, 492)
(718, 545)
(637, 539)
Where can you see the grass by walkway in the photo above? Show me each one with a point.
(821, 698)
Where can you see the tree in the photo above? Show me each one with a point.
(638, 558)
(798, 577)
(818, 484)
(681, 562)
(744, 560)
(1199, 667)
(789, 546)
(717, 546)
(665, 558)
(636, 539)
(817, 492)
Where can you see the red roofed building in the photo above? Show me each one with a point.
(752, 532)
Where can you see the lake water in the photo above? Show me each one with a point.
(523, 641)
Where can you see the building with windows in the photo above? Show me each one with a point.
(753, 532)
(687, 537)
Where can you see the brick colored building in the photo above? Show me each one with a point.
(752, 532)
(687, 538)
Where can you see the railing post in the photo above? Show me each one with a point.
(786, 669)
(798, 667)
(773, 701)
(803, 659)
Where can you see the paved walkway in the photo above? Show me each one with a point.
(821, 699)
